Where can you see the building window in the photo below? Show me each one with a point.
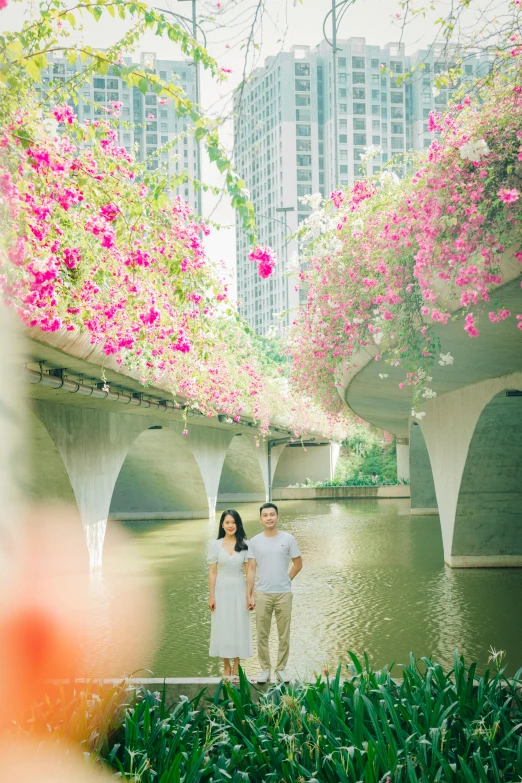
(303, 145)
(304, 160)
(342, 92)
(359, 94)
(113, 96)
(342, 77)
(395, 66)
(375, 110)
(359, 138)
(343, 108)
(343, 169)
(164, 126)
(164, 114)
(342, 62)
(397, 113)
(303, 130)
(376, 125)
(343, 124)
(375, 63)
(426, 114)
(302, 69)
(150, 100)
(163, 75)
(98, 83)
(343, 138)
(376, 139)
(359, 108)
(397, 97)
(303, 115)
(302, 100)
(113, 84)
(358, 62)
(397, 143)
(152, 139)
(99, 97)
(343, 154)
(358, 78)
(427, 143)
(304, 190)
(375, 95)
(468, 69)
(302, 85)
(164, 139)
(359, 124)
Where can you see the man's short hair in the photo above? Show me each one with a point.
(268, 505)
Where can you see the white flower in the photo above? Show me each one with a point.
(377, 337)
(313, 199)
(371, 152)
(383, 375)
(435, 91)
(271, 332)
(429, 393)
(293, 265)
(418, 414)
(474, 150)
(445, 358)
(388, 179)
(358, 320)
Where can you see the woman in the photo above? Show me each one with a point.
(231, 634)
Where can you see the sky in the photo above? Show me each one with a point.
(284, 24)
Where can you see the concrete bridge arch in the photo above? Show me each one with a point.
(473, 436)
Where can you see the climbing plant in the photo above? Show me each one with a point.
(385, 261)
(95, 242)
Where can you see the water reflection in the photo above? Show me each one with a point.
(373, 579)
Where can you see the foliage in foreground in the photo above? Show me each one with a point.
(430, 726)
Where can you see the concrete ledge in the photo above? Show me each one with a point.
(176, 688)
(484, 561)
(319, 493)
(425, 512)
(241, 497)
(151, 516)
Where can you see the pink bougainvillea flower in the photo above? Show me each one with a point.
(265, 259)
(508, 196)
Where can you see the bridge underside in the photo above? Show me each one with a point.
(111, 459)
(466, 454)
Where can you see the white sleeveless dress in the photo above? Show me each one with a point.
(230, 632)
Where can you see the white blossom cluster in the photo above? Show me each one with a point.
(445, 358)
(474, 150)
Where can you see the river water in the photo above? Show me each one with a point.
(373, 580)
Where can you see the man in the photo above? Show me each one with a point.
(271, 551)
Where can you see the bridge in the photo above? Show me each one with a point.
(464, 458)
(115, 449)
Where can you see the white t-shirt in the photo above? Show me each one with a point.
(272, 555)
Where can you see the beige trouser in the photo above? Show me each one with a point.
(266, 605)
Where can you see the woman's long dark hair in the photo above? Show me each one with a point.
(241, 544)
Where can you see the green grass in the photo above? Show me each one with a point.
(359, 725)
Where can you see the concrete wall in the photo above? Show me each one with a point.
(298, 463)
(317, 493)
(423, 498)
(461, 464)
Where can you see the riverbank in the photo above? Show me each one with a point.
(332, 493)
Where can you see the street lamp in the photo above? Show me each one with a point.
(285, 211)
(336, 21)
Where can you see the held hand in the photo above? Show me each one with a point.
(251, 604)
(212, 604)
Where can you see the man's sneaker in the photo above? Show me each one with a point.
(283, 675)
(263, 677)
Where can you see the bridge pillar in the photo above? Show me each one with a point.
(209, 447)
(403, 459)
(474, 439)
(92, 444)
(422, 488)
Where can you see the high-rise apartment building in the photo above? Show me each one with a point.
(284, 140)
(145, 124)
